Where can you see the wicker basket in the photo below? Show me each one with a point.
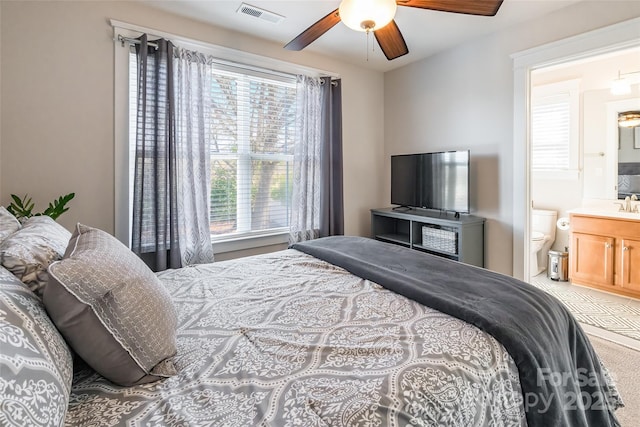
(440, 239)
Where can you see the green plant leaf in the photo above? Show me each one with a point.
(21, 208)
(57, 208)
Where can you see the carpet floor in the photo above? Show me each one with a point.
(624, 365)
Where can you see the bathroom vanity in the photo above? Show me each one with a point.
(605, 251)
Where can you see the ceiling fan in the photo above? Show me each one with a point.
(377, 16)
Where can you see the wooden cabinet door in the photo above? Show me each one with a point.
(592, 259)
(630, 264)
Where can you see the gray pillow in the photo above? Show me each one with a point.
(36, 366)
(28, 252)
(112, 310)
(8, 224)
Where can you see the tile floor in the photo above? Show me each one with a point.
(609, 316)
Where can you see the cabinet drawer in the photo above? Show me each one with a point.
(605, 226)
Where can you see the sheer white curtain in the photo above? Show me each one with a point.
(192, 81)
(305, 207)
(317, 203)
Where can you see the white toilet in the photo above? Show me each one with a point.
(543, 234)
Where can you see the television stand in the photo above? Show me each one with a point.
(450, 235)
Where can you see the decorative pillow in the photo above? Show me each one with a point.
(36, 365)
(112, 310)
(8, 224)
(28, 252)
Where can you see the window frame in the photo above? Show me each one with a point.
(244, 156)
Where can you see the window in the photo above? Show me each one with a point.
(554, 128)
(251, 133)
(550, 134)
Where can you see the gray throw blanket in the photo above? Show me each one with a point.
(563, 383)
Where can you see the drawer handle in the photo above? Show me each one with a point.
(607, 245)
(625, 248)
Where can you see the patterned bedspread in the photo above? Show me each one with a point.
(285, 339)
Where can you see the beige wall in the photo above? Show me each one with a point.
(463, 98)
(57, 105)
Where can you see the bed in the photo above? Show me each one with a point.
(292, 339)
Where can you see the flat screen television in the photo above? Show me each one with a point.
(431, 180)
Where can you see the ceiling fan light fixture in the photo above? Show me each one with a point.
(367, 15)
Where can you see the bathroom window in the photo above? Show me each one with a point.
(554, 129)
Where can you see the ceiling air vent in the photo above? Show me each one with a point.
(256, 12)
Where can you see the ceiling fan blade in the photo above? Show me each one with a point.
(309, 35)
(470, 7)
(391, 41)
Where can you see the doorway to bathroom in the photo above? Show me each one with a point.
(610, 39)
(577, 151)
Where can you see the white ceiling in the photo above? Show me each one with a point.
(426, 32)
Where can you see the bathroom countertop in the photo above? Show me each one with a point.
(606, 213)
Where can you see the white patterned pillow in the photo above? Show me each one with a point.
(28, 252)
(36, 366)
(8, 224)
(112, 310)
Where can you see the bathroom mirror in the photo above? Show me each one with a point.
(628, 161)
(620, 176)
(611, 161)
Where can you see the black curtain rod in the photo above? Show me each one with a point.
(122, 39)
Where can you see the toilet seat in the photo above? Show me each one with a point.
(536, 236)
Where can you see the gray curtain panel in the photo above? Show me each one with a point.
(317, 203)
(155, 212)
(331, 198)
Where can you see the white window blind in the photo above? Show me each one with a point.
(554, 127)
(551, 134)
(253, 132)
